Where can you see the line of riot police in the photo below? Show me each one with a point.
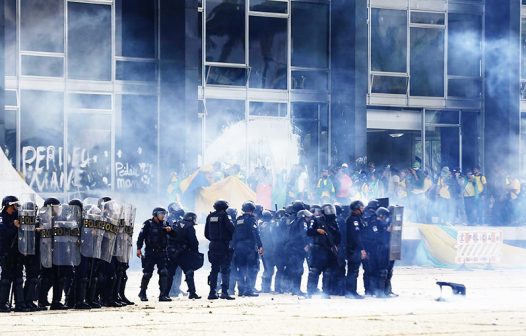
(334, 241)
(79, 251)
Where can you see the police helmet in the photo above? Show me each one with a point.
(266, 216)
(328, 210)
(174, 207)
(382, 212)
(51, 201)
(190, 217)
(221, 205)
(248, 207)
(373, 204)
(338, 208)
(356, 205)
(76, 202)
(305, 214)
(9, 200)
(298, 206)
(158, 211)
(232, 212)
(280, 213)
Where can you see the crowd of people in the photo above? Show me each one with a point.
(446, 196)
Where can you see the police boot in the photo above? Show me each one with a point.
(225, 282)
(58, 288)
(30, 290)
(144, 285)
(108, 299)
(45, 286)
(5, 290)
(116, 291)
(380, 289)
(212, 282)
(81, 288)
(164, 288)
(265, 285)
(191, 285)
(312, 281)
(122, 290)
(69, 292)
(92, 294)
(18, 291)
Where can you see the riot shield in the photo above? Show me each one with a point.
(66, 235)
(114, 214)
(91, 235)
(45, 229)
(126, 243)
(110, 225)
(395, 242)
(27, 215)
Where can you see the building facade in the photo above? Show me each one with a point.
(116, 95)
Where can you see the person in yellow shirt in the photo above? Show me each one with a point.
(471, 194)
(444, 195)
(480, 181)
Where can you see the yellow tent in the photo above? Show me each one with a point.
(231, 189)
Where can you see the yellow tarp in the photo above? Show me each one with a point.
(231, 189)
(442, 246)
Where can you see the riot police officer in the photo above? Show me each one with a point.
(295, 250)
(10, 257)
(383, 262)
(324, 249)
(369, 215)
(355, 251)
(268, 234)
(219, 230)
(28, 247)
(175, 214)
(183, 251)
(247, 245)
(154, 235)
(281, 285)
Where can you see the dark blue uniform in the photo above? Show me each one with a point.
(281, 283)
(354, 248)
(323, 251)
(175, 217)
(182, 250)
(268, 231)
(154, 237)
(11, 262)
(246, 242)
(295, 254)
(219, 230)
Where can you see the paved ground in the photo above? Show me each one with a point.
(495, 305)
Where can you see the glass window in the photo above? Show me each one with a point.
(464, 88)
(42, 139)
(389, 84)
(427, 62)
(10, 37)
(268, 52)
(89, 41)
(136, 71)
(42, 25)
(268, 6)
(225, 31)
(226, 76)
(9, 140)
(310, 80)
(310, 35)
(268, 109)
(428, 18)
(200, 48)
(388, 40)
(464, 44)
(523, 49)
(10, 98)
(136, 144)
(225, 126)
(136, 24)
(89, 142)
(42, 66)
(90, 101)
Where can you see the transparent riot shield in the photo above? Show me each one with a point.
(92, 234)
(126, 244)
(45, 229)
(27, 215)
(110, 225)
(66, 235)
